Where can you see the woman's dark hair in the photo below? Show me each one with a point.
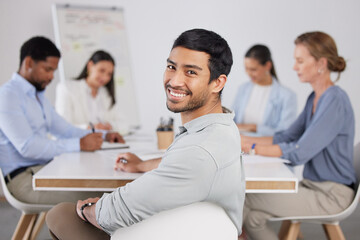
(263, 55)
(98, 56)
(321, 45)
(202, 40)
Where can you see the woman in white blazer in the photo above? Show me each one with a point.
(263, 106)
(90, 97)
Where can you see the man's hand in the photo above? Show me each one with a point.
(91, 142)
(129, 162)
(132, 163)
(89, 211)
(114, 137)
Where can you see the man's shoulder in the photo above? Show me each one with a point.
(10, 89)
(217, 140)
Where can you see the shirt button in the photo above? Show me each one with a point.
(296, 146)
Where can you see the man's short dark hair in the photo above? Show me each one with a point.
(38, 48)
(202, 40)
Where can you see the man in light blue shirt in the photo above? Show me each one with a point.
(29, 124)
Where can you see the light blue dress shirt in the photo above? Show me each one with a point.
(323, 141)
(280, 111)
(26, 121)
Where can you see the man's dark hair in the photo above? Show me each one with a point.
(202, 40)
(38, 48)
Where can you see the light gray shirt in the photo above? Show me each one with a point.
(202, 164)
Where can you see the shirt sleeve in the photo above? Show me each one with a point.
(287, 116)
(240, 101)
(322, 130)
(63, 129)
(117, 118)
(176, 182)
(293, 133)
(30, 144)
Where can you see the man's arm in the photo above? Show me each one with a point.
(87, 211)
(263, 146)
(129, 162)
(24, 131)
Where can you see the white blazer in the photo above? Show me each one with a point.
(71, 103)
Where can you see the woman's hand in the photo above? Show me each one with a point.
(103, 126)
(246, 127)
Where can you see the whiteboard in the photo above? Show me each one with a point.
(82, 30)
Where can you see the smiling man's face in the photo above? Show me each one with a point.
(186, 80)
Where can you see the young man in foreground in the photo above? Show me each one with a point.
(202, 164)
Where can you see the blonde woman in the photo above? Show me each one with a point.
(321, 138)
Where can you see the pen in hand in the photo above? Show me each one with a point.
(92, 127)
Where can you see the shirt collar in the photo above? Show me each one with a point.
(26, 87)
(204, 121)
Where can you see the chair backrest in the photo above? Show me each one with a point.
(357, 161)
(24, 207)
(351, 208)
(200, 220)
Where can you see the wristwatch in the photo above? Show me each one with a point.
(82, 209)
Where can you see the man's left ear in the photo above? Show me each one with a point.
(219, 83)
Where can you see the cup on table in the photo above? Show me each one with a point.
(164, 138)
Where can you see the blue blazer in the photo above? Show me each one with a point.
(280, 111)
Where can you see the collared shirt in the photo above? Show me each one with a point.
(202, 164)
(27, 119)
(279, 113)
(323, 141)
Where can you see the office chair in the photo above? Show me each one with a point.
(32, 217)
(196, 221)
(291, 225)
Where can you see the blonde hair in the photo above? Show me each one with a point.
(323, 45)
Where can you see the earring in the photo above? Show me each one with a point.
(320, 71)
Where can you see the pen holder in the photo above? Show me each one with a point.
(164, 139)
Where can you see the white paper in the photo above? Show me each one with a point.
(248, 159)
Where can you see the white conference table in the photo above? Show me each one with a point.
(94, 171)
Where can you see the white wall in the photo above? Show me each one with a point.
(153, 26)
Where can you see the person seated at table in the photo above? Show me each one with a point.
(27, 119)
(90, 98)
(263, 106)
(322, 138)
(193, 169)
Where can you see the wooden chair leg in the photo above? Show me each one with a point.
(333, 232)
(284, 229)
(24, 226)
(289, 230)
(38, 225)
(300, 235)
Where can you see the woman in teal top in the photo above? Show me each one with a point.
(275, 104)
